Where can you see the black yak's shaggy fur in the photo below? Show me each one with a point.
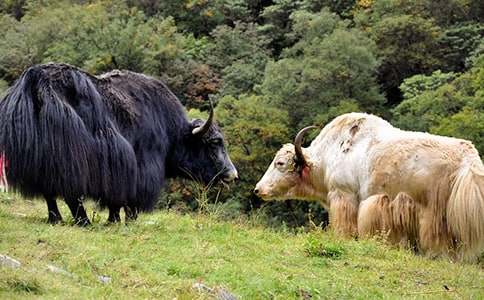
(113, 138)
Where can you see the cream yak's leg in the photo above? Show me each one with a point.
(434, 236)
(343, 212)
(374, 216)
(397, 219)
(404, 223)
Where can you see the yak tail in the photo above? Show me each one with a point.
(465, 210)
(20, 140)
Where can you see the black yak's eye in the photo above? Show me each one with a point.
(216, 142)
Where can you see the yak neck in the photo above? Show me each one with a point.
(315, 186)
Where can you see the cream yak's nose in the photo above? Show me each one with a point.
(260, 191)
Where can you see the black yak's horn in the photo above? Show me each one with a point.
(300, 160)
(201, 130)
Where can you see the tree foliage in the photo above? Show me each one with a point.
(255, 130)
(239, 54)
(443, 105)
(329, 64)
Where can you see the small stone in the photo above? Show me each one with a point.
(104, 279)
(7, 261)
(218, 292)
(58, 270)
(223, 294)
(200, 287)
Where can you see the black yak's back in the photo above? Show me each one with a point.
(133, 96)
(145, 108)
(60, 137)
(152, 119)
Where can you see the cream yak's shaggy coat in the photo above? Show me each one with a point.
(418, 188)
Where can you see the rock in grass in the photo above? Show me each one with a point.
(7, 261)
(223, 294)
(104, 279)
(200, 287)
(218, 292)
(58, 270)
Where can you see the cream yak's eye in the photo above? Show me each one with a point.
(280, 165)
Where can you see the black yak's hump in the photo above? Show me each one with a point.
(60, 74)
(133, 93)
(139, 87)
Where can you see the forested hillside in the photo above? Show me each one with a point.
(271, 67)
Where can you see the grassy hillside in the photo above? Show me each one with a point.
(164, 254)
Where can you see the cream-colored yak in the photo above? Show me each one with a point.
(372, 177)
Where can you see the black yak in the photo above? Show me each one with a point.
(113, 138)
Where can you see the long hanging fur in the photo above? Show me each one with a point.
(465, 209)
(373, 216)
(403, 221)
(59, 141)
(343, 213)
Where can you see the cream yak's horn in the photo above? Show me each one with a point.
(300, 159)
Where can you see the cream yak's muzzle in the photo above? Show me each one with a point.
(283, 176)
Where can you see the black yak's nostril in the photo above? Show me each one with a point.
(256, 191)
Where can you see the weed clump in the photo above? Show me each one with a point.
(22, 286)
(317, 247)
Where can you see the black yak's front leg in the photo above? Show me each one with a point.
(78, 211)
(54, 213)
(114, 214)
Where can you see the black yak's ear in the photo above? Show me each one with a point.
(194, 124)
(201, 130)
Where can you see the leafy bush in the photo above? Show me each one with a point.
(3, 87)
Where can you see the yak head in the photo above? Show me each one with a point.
(205, 158)
(288, 176)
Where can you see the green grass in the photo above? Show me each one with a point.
(163, 254)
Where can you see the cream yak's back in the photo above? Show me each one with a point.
(373, 177)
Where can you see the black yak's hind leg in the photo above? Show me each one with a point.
(54, 213)
(78, 212)
(131, 213)
(114, 214)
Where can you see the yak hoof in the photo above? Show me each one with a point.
(83, 222)
(54, 220)
(114, 216)
(130, 213)
(113, 220)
